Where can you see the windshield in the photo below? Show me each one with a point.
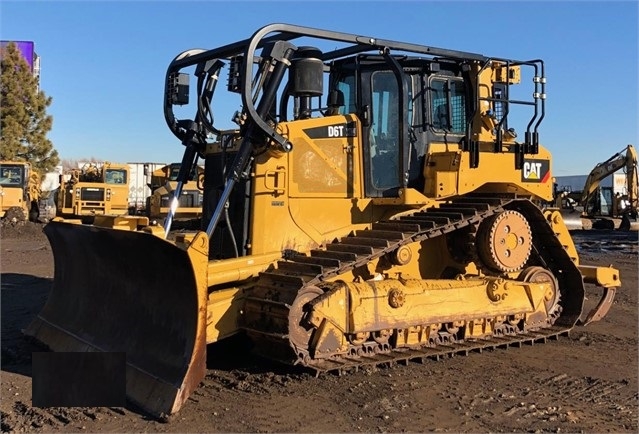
(115, 176)
(11, 175)
(175, 170)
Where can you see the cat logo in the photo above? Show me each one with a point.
(532, 170)
(535, 171)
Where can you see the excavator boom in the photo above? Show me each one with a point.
(625, 159)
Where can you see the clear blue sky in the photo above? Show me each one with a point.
(104, 63)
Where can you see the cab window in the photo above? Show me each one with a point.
(11, 175)
(346, 85)
(384, 140)
(448, 105)
(115, 176)
(175, 170)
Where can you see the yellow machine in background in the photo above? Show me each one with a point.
(95, 189)
(601, 205)
(163, 184)
(19, 191)
(372, 203)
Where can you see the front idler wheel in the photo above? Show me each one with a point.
(300, 332)
(541, 275)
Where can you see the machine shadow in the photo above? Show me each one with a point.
(235, 354)
(22, 298)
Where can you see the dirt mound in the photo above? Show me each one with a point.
(25, 230)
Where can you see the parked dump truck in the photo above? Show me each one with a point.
(371, 203)
(19, 191)
(94, 189)
(188, 205)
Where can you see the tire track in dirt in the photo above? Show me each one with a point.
(25, 418)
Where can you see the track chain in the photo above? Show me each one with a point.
(267, 309)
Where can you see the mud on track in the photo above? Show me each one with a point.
(585, 382)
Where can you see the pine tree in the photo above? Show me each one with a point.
(24, 122)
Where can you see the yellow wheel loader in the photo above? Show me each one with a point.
(371, 203)
(19, 191)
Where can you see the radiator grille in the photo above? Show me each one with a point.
(92, 194)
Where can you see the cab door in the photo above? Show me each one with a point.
(381, 135)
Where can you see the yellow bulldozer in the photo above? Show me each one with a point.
(94, 189)
(371, 203)
(19, 191)
(164, 182)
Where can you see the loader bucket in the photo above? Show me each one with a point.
(132, 292)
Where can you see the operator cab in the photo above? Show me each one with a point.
(399, 125)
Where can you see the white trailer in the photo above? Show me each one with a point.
(139, 190)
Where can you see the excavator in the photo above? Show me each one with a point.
(600, 204)
(368, 202)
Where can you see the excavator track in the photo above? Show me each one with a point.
(295, 280)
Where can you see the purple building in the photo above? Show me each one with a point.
(27, 50)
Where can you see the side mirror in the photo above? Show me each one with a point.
(178, 88)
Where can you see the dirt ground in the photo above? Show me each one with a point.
(583, 383)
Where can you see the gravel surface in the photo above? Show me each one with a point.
(583, 383)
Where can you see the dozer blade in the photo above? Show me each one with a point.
(132, 292)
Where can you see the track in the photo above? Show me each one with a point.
(267, 310)
(437, 352)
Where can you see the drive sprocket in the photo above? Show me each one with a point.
(504, 241)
